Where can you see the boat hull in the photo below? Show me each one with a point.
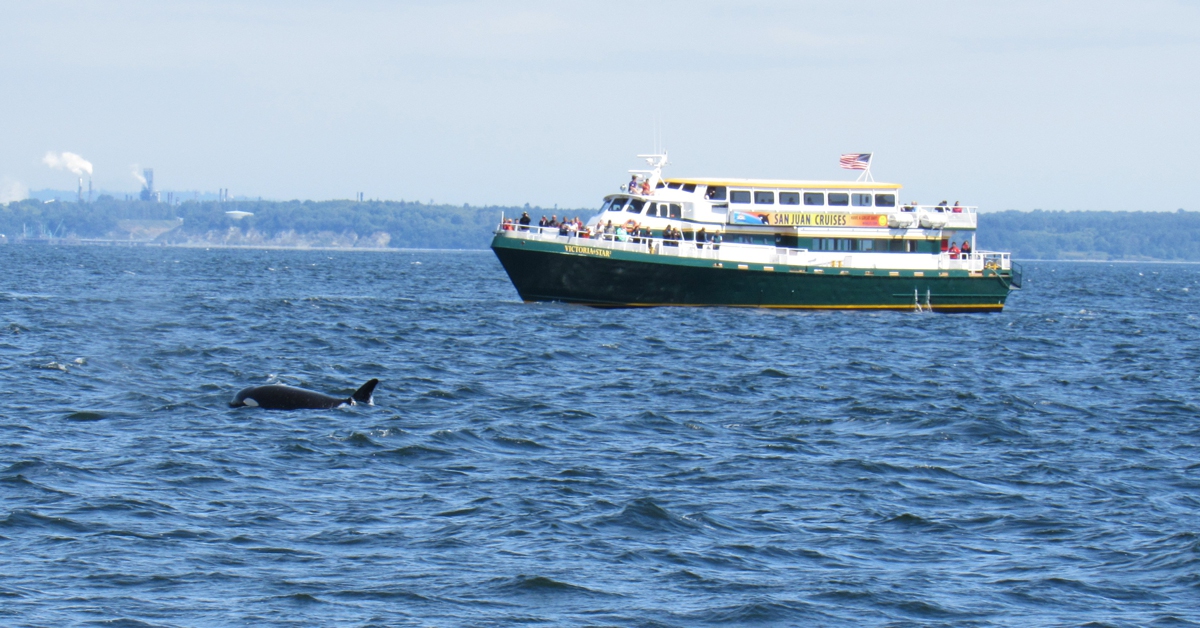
(573, 272)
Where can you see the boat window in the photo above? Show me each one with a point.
(676, 210)
(739, 196)
(617, 204)
(604, 207)
(839, 198)
(885, 200)
(635, 206)
(860, 200)
(715, 193)
(912, 246)
(789, 198)
(720, 208)
(814, 198)
(650, 210)
(663, 212)
(674, 186)
(764, 198)
(660, 185)
(689, 187)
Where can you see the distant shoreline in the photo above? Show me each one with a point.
(364, 249)
(257, 247)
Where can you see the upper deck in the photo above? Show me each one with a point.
(782, 184)
(807, 207)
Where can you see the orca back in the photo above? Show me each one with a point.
(280, 397)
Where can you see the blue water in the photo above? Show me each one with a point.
(558, 465)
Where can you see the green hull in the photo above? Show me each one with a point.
(578, 273)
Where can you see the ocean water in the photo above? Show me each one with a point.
(558, 465)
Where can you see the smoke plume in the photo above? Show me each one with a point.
(12, 190)
(68, 161)
(137, 174)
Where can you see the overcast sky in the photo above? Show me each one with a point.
(1007, 105)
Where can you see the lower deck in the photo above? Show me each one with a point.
(658, 273)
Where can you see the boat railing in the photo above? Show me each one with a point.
(755, 253)
(941, 216)
(975, 261)
(733, 252)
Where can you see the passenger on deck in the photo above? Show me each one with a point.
(716, 240)
(701, 237)
(524, 220)
(633, 185)
(942, 206)
(608, 229)
(954, 251)
(966, 248)
(646, 188)
(957, 208)
(508, 224)
(910, 207)
(542, 221)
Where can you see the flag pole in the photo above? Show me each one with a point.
(866, 174)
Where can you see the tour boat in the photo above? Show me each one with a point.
(760, 243)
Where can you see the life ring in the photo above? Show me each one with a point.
(630, 224)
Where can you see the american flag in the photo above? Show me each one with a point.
(856, 161)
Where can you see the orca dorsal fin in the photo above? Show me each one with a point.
(365, 393)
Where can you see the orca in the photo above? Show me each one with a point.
(280, 397)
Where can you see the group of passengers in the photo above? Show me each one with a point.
(941, 207)
(637, 186)
(955, 251)
(523, 222)
(629, 231)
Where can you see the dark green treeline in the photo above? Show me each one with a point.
(397, 224)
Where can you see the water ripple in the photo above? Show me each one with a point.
(550, 464)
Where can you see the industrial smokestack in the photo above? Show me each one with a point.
(148, 193)
(81, 190)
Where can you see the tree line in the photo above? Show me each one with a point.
(1104, 235)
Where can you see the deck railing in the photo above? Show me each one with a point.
(734, 252)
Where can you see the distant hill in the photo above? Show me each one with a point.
(390, 224)
(1099, 235)
(398, 224)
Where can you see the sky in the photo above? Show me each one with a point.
(1075, 105)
